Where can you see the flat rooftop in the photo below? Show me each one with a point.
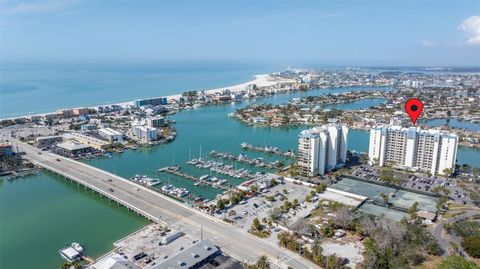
(400, 198)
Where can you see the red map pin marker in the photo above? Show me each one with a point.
(414, 108)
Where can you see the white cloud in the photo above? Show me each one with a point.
(427, 44)
(471, 28)
(9, 7)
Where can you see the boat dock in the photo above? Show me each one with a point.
(221, 168)
(177, 172)
(269, 150)
(242, 158)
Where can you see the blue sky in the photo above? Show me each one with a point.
(356, 32)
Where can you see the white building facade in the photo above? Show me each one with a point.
(111, 135)
(322, 149)
(144, 133)
(430, 151)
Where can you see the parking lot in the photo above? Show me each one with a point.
(419, 181)
(259, 207)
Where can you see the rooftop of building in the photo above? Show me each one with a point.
(110, 131)
(72, 145)
(189, 257)
(86, 137)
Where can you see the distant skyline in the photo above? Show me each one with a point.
(290, 33)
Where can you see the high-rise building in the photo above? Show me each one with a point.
(322, 149)
(431, 151)
(144, 133)
(156, 121)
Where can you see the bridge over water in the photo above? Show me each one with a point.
(164, 210)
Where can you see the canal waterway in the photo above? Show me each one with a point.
(454, 123)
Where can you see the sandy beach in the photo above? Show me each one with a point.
(262, 80)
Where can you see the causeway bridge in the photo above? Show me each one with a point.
(162, 209)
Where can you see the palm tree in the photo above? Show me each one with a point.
(316, 248)
(385, 198)
(448, 172)
(263, 263)
(283, 239)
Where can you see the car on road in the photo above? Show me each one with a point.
(109, 180)
(57, 160)
(110, 190)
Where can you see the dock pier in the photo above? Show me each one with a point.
(196, 179)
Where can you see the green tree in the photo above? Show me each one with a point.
(321, 187)
(413, 211)
(256, 226)
(316, 248)
(448, 172)
(283, 239)
(456, 262)
(471, 245)
(295, 203)
(384, 198)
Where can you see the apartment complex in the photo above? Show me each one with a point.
(88, 140)
(430, 151)
(151, 101)
(322, 149)
(145, 134)
(156, 121)
(111, 135)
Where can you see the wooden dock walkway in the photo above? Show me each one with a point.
(196, 179)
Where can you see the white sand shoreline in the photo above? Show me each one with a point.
(261, 80)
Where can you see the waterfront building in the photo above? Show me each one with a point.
(191, 257)
(115, 261)
(81, 111)
(72, 149)
(431, 151)
(88, 140)
(111, 135)
(47, 141)
(145, 134)
(152, 102)
(156, 121)
(322, 149)
(6, 149)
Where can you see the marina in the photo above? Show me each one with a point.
(242, 158)
(268, 149)
(204, 180)
(221, 168)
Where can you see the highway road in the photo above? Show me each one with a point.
(232, 240)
